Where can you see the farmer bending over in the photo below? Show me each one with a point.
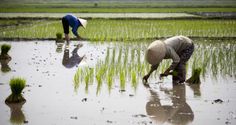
(74, 23)
(177, 48)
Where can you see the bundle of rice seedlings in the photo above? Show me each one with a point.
(195, 78)
(5, 48)
(59, 37)
(4, 51)
(17, 85)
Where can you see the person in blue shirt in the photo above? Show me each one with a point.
(72, 21)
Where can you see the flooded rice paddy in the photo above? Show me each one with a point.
(101, 83)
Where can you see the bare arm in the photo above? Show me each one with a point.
(153, 68)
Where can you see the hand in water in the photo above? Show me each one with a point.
(162, 75)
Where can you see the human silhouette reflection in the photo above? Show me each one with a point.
(179, 113)
(4, 64)
(17, 116)
(74, 60)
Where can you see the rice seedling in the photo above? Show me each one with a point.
(134, 79)
(214, 66)
(110, 79)
(113, 56)
(195, 78)
(107, 57)
(77, 79)
(17, 85)
(132, 55)
(119, 56)
(122, 80)
(86, 78)
(5, 49)
(126, 56)
(100, 74)
(59, 37)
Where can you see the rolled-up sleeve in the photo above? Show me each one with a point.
(175, 57)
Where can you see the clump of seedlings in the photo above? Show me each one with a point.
(59, 38)
(4, 51)
(5, 58)
(59, 42)
(17, 85)
(195, 78)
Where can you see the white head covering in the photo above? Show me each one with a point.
(155, 52)
(83, 22)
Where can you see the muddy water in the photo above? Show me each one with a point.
(53, 99)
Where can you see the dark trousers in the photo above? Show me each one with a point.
(181, 67)
(65, 24)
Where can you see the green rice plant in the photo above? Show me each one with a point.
(132, 55)
(119, 56)
(91, 75)
(77, 79)
(126, 57)
(206, 61)
(107, 56)
(128, 30)
(113, 56)
(122, 80)
(5, 49)
(134, 79)
(86, 78)
(99, 83)
(17, 85)
(138, 56)
(109, 81)
(195, 78)
(59, 35)
(214, 66)
(99, 76)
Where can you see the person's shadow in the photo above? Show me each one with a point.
(179, 112)
(74, 60)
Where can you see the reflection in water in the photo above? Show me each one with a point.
(59, 46)
(179, 112)
(196, 89)
(74, 60)
(17, 116)
(4, 63)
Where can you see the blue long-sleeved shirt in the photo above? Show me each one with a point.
(74, 23)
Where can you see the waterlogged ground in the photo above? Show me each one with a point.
(62, 91)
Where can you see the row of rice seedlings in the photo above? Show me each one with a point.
(207, 56)
(126, 30)
(117, 68)
(216, 58)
